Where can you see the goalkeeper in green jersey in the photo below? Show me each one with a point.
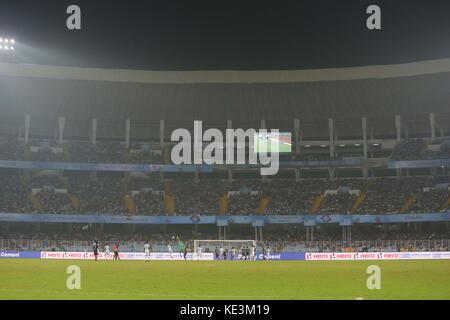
(181, 247)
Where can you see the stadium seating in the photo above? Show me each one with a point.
(123, 196)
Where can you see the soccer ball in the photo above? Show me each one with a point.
(173, 237)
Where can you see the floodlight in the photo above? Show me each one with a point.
(7, 44)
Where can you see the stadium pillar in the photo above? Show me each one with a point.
(365, 171)
(297, 136)
(262, 124)
(331, 129)
(27, 127)
(127, 132)
(364, 135)
(398, 126)
(94, 131)
(196, 178)
(161, 133)
(331, 173)
(61, 125)
(297, 174)
(230, 175)
(433, 126)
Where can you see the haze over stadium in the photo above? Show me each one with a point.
(88, 123)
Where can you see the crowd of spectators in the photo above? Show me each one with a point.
(245, 196)
(418, 149)
(410, 149)
(148, 196)
(107, 195)
(10, 149)
(388, 195)
(13, 195)
(99, 195)
(391, 237)
(197, 197)
(101, 152)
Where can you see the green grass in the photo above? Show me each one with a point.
(46, 279)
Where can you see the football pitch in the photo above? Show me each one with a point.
(222, 280)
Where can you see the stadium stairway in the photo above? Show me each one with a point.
(445, 205)
(360, 199)
(169, 203)
(126, 155)
(26, 153)
(166, 155)
(263, 204)
(169, 200)
(75, 202)
(224, 204)
(408, 203)
(35, 202)
(358, 202)
(317, 203)
(130, 205)
(66, 151)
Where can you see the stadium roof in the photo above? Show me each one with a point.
(378, 92)
(226, 76)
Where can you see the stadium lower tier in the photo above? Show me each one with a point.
(284, 238)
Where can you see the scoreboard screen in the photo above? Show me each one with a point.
(273, 142)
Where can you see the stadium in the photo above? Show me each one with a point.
(88, 177)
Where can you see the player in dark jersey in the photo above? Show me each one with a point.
(95, 246)
(185, 252)
(116, 252)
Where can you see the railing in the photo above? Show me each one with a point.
(296, 246)
(377, 245)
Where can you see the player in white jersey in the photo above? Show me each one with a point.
(233, 254)
(268, 253)
(147, 251)
(107, 252)
(169, 249)
(199, 253)
(252, 253)
(221, 252)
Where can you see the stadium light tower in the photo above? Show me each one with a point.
(7, 44)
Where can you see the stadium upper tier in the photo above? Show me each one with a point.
(50, 150)
(125, 195)
(412, 90)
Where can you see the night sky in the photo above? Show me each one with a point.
(218, 34)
